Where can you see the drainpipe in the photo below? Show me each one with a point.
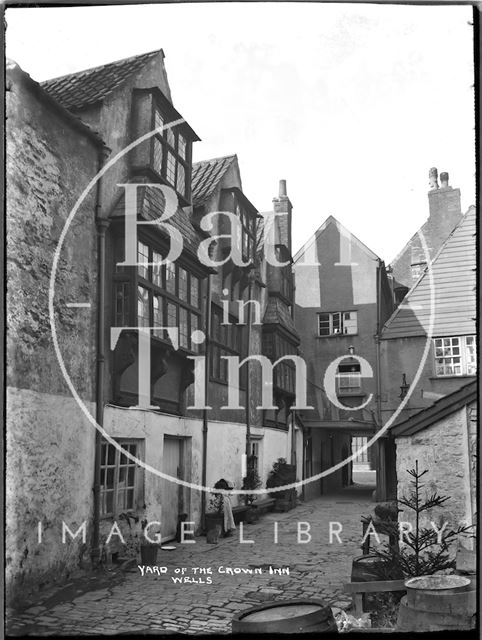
(101, 224)
(206, 391)
(248, 413)
(381, 469)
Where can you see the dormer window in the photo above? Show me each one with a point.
(168, 153)
(248, 233)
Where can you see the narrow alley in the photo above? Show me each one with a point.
(155, 603)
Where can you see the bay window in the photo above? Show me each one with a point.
(168, 295)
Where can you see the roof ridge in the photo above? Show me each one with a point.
(101, 66)
(228, 157)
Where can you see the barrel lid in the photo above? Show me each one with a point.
(281, 611)
(437, 582)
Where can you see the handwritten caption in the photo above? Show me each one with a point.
(205, 575)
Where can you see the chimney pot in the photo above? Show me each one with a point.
(433, 178)
(444, 179)
(282, 188)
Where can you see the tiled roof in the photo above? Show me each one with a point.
(438, 411)
(453, 272)
(151, 205)
(277, 313)
(206, 176)
(87, 87)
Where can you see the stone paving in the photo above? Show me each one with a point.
(155, 603)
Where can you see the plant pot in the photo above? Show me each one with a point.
(252, 514)
(149, 554)
(212, 519)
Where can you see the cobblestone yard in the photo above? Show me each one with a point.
(136, 603)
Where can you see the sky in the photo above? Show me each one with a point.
(350, 103)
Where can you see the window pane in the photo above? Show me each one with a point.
(181, 146)
(111, 454)
(181, 178)
(171, 278)
(109, 502)
(121, 290)
(158, 119)
(157, 269)
(171, 315)
(183, 328)
(182, 279)
(194, 291)
(158, 154)
(171, 168)
(142, 259)
(142, 307)
(157, 317)
(171, 136)
(194, 326)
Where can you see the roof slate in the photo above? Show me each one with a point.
(151, 205)
(277, 313)
(436, 412)
(87, 87)
(206, 176)
(453, 273)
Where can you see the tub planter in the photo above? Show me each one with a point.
(435, 603)
(212, 519)
(435, 586)
(149, 554)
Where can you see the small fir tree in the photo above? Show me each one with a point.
(424, 551)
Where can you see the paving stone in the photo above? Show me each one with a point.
(317, 570)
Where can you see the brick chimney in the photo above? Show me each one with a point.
(282, 204)
(443, 200)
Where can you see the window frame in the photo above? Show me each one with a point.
(137, 487)
(169, 140)
(466, 360)
(341, 320)
(131, 279)
(229, 342)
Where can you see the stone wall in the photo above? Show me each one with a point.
(50, 444)
(443, 449)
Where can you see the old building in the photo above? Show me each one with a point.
(162, 277)
(444, 214)
(443, 439)
(342, 299)
(428, 346)
(51, 156)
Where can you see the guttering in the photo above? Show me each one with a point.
(101, 224)
(205, 411)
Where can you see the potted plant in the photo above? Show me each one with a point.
(148, 549)
(214, 513)
(424, 552)
(251, 481)
(280, 475)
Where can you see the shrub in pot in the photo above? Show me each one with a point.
(251, 481)
(280, 475)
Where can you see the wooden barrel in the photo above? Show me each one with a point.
(286, 616)
(364, 568)
(411, 619)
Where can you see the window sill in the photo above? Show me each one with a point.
(351, 394)
(453, 377)
(337, 335)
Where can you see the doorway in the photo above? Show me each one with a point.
(171, 492)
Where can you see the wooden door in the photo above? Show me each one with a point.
(171, 491)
